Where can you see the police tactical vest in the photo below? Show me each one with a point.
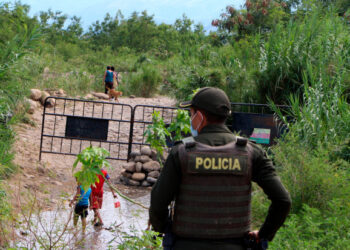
(215, 191)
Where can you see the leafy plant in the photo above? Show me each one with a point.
(156, 133)
(93, 159)
(316, 229)
(181, 125)
(147, 240)
(144, 82)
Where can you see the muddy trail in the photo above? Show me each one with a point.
(52, 177)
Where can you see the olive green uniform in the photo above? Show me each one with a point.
(167, 186)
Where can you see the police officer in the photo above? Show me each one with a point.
(209, 177)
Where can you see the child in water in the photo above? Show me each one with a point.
(81, 199)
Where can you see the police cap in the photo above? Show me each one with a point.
(212, 100)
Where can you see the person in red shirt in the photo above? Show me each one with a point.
(96, 197)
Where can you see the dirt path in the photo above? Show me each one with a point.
(52, 177)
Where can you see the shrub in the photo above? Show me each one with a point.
(309, 175)
(314, 229)
(134, 241)
(144, 82)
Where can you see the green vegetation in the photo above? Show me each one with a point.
(133, 241)
(157, 133)
(92, 160)
(291, 52)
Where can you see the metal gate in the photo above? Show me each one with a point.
(257, 122)
(143, 117)
(73, 124)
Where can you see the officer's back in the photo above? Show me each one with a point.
(210, 181)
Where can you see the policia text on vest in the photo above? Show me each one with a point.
(214, 164)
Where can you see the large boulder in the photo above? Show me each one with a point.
(154, 154)
(35, 94)
(138, 176)
(154, 174)
(126, 174)
(33, 105)
(101, 96)
(134, 154)
(146, 150)
(61, 93)
(138, 167)
(49, 103)
(145, 184)
(89, 97)
(124, 180)
(134, 183)
(129, 166)
(137, 158)
(151, 166)
(145, 158)
(151, 180)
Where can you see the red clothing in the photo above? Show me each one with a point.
(97, 190)
(96, 200)
(98, 186)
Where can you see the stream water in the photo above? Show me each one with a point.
(128, 218)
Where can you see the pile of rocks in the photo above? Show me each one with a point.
(142, 169)
(37, 98)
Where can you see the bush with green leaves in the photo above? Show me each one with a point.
(156, 133)
(313, 228)
(310, 175)
(92, 160)
(180, 126)
(145, 82)
(135, 241)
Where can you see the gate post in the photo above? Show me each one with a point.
(42, 128)
(131, 131)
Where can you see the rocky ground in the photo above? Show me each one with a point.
(52, 177)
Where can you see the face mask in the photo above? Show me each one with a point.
(194, 132)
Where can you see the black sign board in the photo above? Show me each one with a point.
(87, 128)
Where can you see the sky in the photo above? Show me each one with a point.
(164, 11)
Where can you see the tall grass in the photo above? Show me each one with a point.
(11, 92)
(319, 38)
(312, 159)
(322, 117)
(145, 82)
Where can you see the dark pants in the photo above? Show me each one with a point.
(81, 211)
(108, 85)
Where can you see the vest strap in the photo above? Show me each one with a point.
(241, 141)
(189, 142)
